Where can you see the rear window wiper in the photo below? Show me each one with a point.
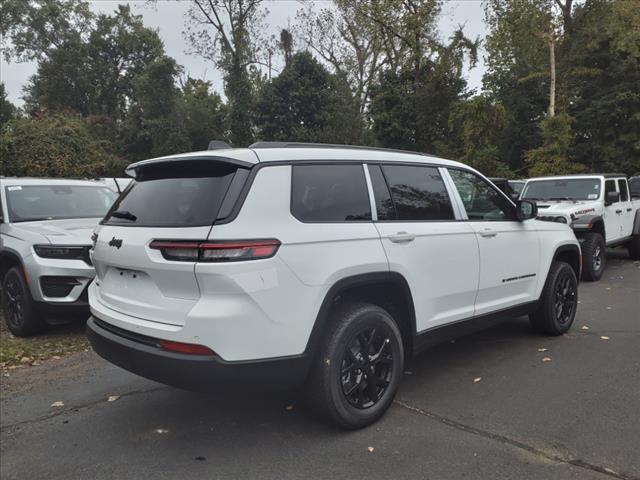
(124, 215)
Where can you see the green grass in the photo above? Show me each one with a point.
(58, 341)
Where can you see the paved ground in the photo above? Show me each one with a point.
(574, 417)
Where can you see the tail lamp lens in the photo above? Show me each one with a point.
(222, 251)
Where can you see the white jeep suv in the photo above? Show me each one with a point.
(325, 266)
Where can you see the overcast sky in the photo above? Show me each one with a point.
(168, 18)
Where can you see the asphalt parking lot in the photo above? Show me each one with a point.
(502, 404)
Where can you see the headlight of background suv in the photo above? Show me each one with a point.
(80, 252)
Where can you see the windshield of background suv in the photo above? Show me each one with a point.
(30, 203)
(566, 189)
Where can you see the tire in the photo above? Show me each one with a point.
(17, 305)
(594, 255)
(340, 387)
(558, 302)
(634, 247)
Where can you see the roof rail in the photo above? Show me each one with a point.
(217, 145)
(329, 145)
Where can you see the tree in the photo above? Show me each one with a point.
(228, 32)
(203, 113)
(308, 104)
(94, 76)
(52, 146)
(38, 27)
(474, 135)
(154, 126)
(553, 157)
(7, 109)
(604, 85)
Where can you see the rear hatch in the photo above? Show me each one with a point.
(170, 200)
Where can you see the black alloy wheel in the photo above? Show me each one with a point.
(367, 366)
(13, 303)
(565, 298)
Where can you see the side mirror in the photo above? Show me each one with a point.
(611, 197)
(526, 210)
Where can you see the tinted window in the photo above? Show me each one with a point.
(622, 186)
(610, 186)
(560, 189)
(480, 199)
(384, 204)
(329, 193)
(418, 193)
(171, 202)
(56, 202)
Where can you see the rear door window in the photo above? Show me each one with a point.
(329, 193)
(190, 198)
(418, 193)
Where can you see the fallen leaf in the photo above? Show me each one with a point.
(35, 363)
(58, 403)
(113, 398)
(25, 360)
(200, 458)
(609, 308)
(289, 408)
(371, 449)
(542, 349)
(56, 357)
(546, 359)
(477, 379)
(584, 327)
(608, 289)
(161, 431)
(407, 372)
(604, 337)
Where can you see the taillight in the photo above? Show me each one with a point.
(189, 348)
(221, 251)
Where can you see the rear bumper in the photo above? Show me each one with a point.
(192, 372)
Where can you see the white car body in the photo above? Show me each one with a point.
(270, 312)
(18, 238)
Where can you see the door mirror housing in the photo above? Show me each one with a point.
(611, 197)
(526, 210)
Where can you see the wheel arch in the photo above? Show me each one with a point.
(8, 259)
(589, 224)
(570, 254)
(636, 223)
(389, 290)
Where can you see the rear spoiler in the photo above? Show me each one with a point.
(240, 158)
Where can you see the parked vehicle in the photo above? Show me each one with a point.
(45, 236)
(517, 186)
(634, 186)
(599, 209)
(116, 184)
(284, 265)
(511, 187)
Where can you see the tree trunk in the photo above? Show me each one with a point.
(552, 83)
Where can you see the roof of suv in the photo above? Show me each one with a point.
(30, 181)
(582, 175)
(265, 152)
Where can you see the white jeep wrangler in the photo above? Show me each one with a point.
(599, 208)
(317, 265)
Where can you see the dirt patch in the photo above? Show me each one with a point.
(56, 343)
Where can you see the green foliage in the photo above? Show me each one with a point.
(94, 76)
(7, 109)
(52, 146)
(475, 131)
(38, 27)
(605, 85)
(203, 113)
(306, 103)
(553, 157)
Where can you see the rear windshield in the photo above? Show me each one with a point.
(30, 203)
(187, 201)
(563, 189)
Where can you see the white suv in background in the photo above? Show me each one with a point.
(45, 236)
(317, 265)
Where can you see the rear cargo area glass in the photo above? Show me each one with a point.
(187, 201)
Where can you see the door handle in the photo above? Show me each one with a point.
(488, 233)
(618, 211)
(402, 237)
(629, 209)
